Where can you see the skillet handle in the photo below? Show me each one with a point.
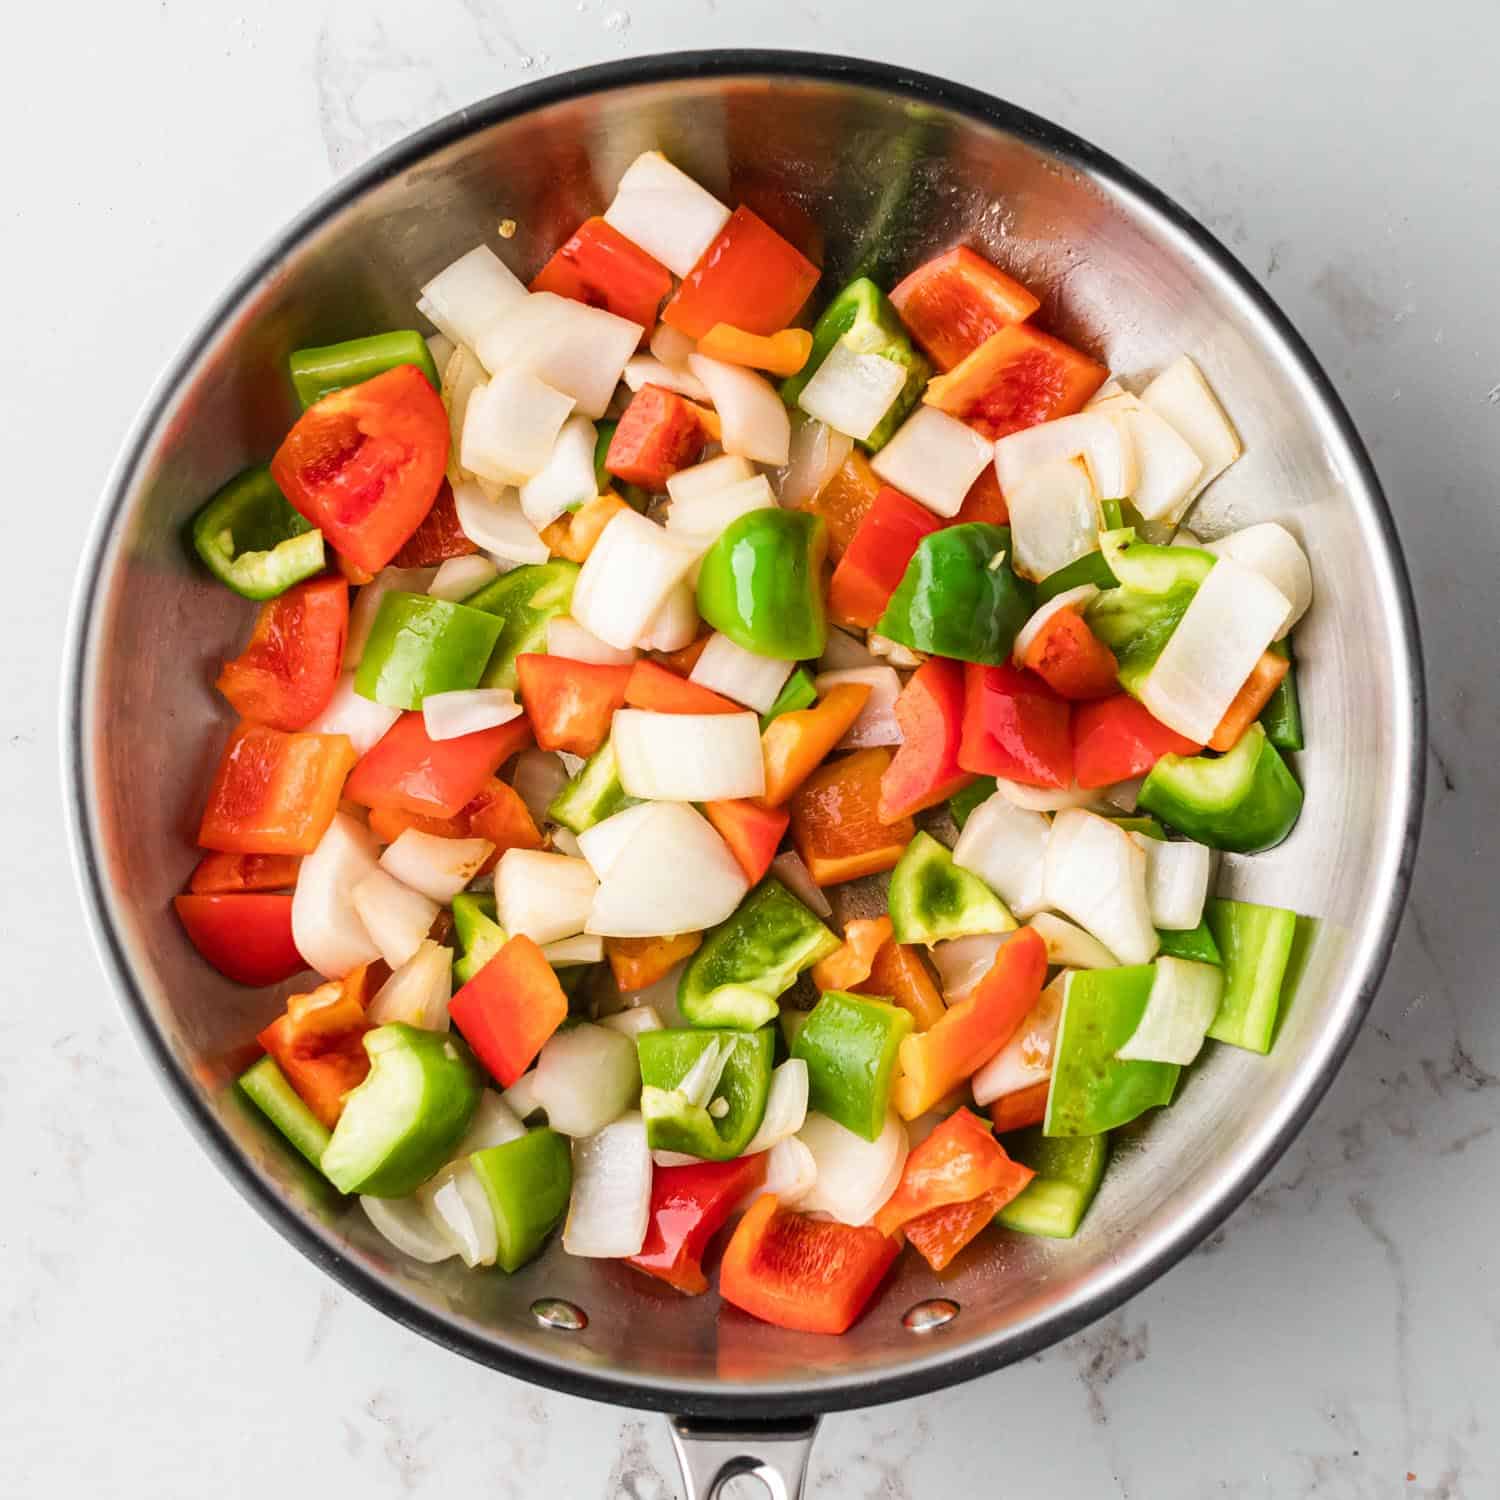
(712, 1453)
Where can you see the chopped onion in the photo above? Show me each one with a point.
(326, 928)
(671, 346)
(815, 455)
(1272, 551)
(462, 376)
(498, 526)
(574, 952)
(786, 1107)
(1182, 1005)
(566, 637)
(644, 370)
(634, 1021)
(755, 423)
(418, 992)
(1096, 438)
(458, 577)
(665, 212)
(1182, 537)
(727, 668)
(662, 997)
(543, 896)
(791, 1172)
(855, 1176)
(611, 1201)
(1232, 618)
(396, 917)
(962, 962)
(440, 347)
(459, 1206)
(351, 713)
(876, 724)
(450, 716)
(698, 521)
(1054, 517)
(934, 458)
(1123, 794)
(367, 605)
(1168, 468)
(610, 837)
(1177, 877)
(721, 473)
(674, 875)
(1068, 599)
(1070, 947)
(1045, 798)
(688, 757)
(437, 867)
(568, 478)
(1006, 847)
(1026, 1059)
(675, 1159)
(510, 427)
(466, 297)
(843, 652)
(885, 649)
(538, 777)
(587, 1076)
(1183, 397)
(407, 1225)
(699, 1084)
(1097, 876)
(675, 624)
(494, 1123)
(520, 1098)
(795, 876)
(634, 566)
(1110, 391)
(851, 392)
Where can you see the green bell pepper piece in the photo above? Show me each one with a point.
(251, 539)
(931, 898)
(761, 584)
(1113, 513)
(1092, 1089)
(959, 596)
(1282, 715)
(525, 599)
(266, 1086)
(480, 936)
(1256, 942)
(1068, 1173)
(1197, 945)
(1092, 567)
(749, 961)
(632, 494)
(799, 693)
(401, 1124)
(849, 1044)
(675, 1124)
(593, 795)
(527, 1181)
(1244, 801)
(1147, 826)
(420, 645)
(319, 372)
(967, 798)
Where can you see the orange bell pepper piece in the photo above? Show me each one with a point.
(1265, 677)
(389, 823)
(1026, 1106)
(836, 822)
(899, 973)
(845, 501)
(318, 1042)
(573, 536)
(708, 420)
(795, 744)
(782, 353)
(850, 964)
(752, 832)
(639, 962)
(661, 691)
(225, 874)
(498, 814)
(685, 659)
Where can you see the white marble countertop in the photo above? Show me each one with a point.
(1338, 1339)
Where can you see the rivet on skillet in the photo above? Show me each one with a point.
(926, 1316)
(555, 1312)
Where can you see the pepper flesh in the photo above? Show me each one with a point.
(247, 937)
(849, 1044)
(317, 1042)
(930, 714)
(528, 1182)
(794, 744)
(837, 821)
(689, 1205)
(877, 556)
(598, 266)
(797, 693)
(509, 1009)
(1256, 943)
(252, 539)
(290, 665)
(419, 645)
(752, 831)
(1116, 739)
(674, 1122)
(849, 965)
(899, 972)
(1068, 1174)
(319, 372)
(525, 599)
(266, 1086)
(955, 301)
(1015, 727)
(1071, 659)
(410, 771)
(1282, 716)
(932, 899)
(844, 501)
(571, 704)
(761, 584)
(639, 962)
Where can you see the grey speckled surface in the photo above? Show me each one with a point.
(1341, 1335)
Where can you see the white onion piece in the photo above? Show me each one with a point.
(1233, 617)
(688, 757)
(671, 346)
(458, 577)
(574, 951)
(701, 1080)
(727, 668)
(634, 566)
(437, 867)
(566, 637)
(1068, 599)
(962, 962)
(644, 370)
(441, 348)
(1097, 876)
(675, 1159)
(1272, 551)
(665, 212)
(610, 837)
(1168, 467)
(1123, 794)
(611, 1202)
(675, 624)
(405, 1223)
(367, 605)
(450, 716)
(876, 724)
(786, 1107)
(418, 992)
(796, 877)
(586, 1077)
(851, 392)
(1177, 878)
(1045, 798)
(1070, 947)
(791, 1172)
(1183, 397)
(351, 713)
(565, 841)
(462, 376)
(567, 480)
(755, 423)
(708, 478)
(899, 656)
(494, 1123)
(326, 928)
(815, 455)
(1182, 537)
(466, 297)
(1110, 391)
(675, 875)
(498, 526)
(934, 458)
(538, 777)
(662, 997)
(633, 1022)
(459, 1206)
(844, 652)
(396, 917)
(1054, 517)
(855, 1176)
(542, 896)
(698, 520)
(510, 427)
(1026, 1059)
(1098, 439)
(521, 1099)
(1006, 847)
(1184, 999)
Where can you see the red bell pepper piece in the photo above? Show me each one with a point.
(876, 557)
(247, 938)
(290, 666)
(659, 434)
(1015, 727)
(953, 303)
(749, 277)
(275, 793)
(1071, 659)
(226, 874)
(570, 703)
(1115, 739)
(689, 1205)
(984, 502)
(1026, 1106)
(318, 1042)
(659, 690)
(930, 714)
(408, 771)
(601, 267)
(752, 831)
(939, 1234)
(509, 1008)
(803, 1273)
(364, 464)
(438, 538)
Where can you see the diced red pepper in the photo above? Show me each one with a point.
(845, 501)
(639, 962)
(290, 666)
(247, 938)
(752, 831)
(658, 690)
(939, 1234)
(659, 433)
(1026, 1106)
(438, 538)
(682, 661)
(408, 771)
(226, 874)
(497, 813)
(1071, 659)
(1015, 727)
(930, 715)
(803, 1273)
(1115, 739)
(570, 703)
(509, 1008)
(876, 557)
(689, 1205)
(601, 267)
(953, 303)
(318, 1042)
(749, 276)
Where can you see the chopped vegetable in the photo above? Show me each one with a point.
(1025, 1061)
(465, 296)
(1116, 739)
(1282, 716)
(761, 584)
(611, 1201)
(1071, 659)
(634, 566)
(410, 770)
(659, 434)
(251, 538)
(593, 794)
(1006, 846)
(1095, 873)
(266, 1086)
(526, 600)
(753, 832)
(419, 645)
(954, 302)
(689, 757)
(1184, 999)
(876, 558)
(689, 1205)
(1015, 727)
(570, 703)
(317, 1042)
(849, 965)
(288, 670)
(854, 1176)
(661, 209)
(837, 823)
(246, 937)
(932, 899)
(586, 1077)
(528, 1182)
(849, 1044)
(741, 1077)
(934, 458)
(223, 874)
(1255, 693)
(926, 770)
(1068, 1174)
(781, 353)
(1182, 396)
(319, 372)
(794, 744)
(753, 423)
(1256, 943)
(509, 1008)
(843, 501)
(602, 268)
(639, 962)
(747, 677)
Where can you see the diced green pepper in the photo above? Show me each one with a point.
(525, 599)
(319, 372)
(1149, 827)
(761, 584)
(420, 645)
(266, 1086)
(673, 1122)
(593, 795)
(527, 1181)
(1256, 942)
(749, 961)
(1113, 513)
(849, 1044)
(967, 798)
(1282, 715)
(480, 936)
(931, 898)
(401, 1124)
(959, 596)
(1197, 945)
(632, 494)
(799, 693)
(1092, 1089)
(1092, 567)
(251, 539)
(1244, 801)
(1068, 1174)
